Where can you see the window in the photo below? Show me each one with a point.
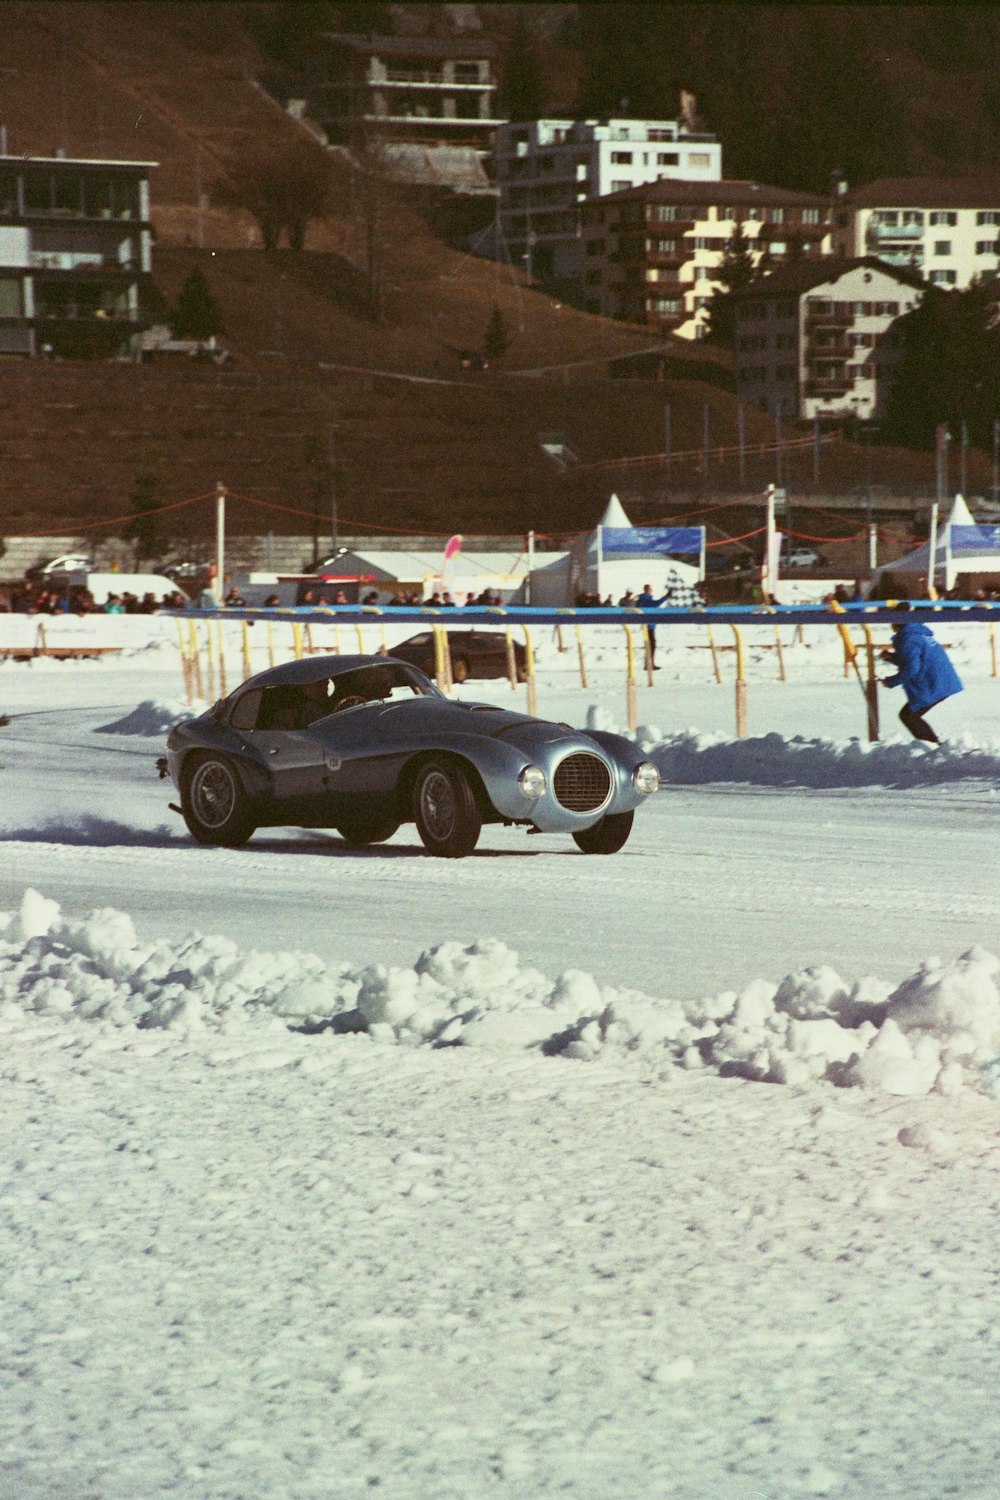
(776, 215)
(667, 159)
(664, 247)
(699, 159)
(466, 72)
(810, 216)
(988, 216)
(618, 185)
(668, 305)
(988, 247)
(664, 212)
(944, 278)
(659, 134)
(621, 158)
(939, 217)
(913, 218)
(942, 247)
(752, 215)
(10, 297)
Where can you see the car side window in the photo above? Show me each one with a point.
(246, 710)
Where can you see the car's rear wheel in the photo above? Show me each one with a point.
(444, 807)
(607, 836)
(214, 803)
(459, 669)
(363, 828)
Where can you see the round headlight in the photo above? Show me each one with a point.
(531, 782)
(645, 778)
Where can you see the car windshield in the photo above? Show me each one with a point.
(297, 705)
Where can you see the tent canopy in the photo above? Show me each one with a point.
(961, 546)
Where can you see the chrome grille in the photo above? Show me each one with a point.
(582, 783)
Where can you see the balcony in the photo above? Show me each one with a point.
(896, 232)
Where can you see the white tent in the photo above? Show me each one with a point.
(592, 571)
(961, 546)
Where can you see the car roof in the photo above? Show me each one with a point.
(314, 668)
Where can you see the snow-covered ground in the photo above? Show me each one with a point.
(332, 1172)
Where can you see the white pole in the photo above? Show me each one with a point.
(600, 557)
(932, 552)
(872, 547)
(220, 539)
(770, 551)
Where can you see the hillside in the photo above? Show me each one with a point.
(417, 443)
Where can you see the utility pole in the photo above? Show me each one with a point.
(331, 466)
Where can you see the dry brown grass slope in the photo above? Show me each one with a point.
(418, 445)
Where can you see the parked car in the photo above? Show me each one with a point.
(800, 557)
(70, 562)
(474, 653)
(364, 744)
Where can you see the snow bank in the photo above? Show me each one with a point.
(937, 1031)
(152, 718)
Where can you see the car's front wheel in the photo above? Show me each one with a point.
(444, 807)
(214, 803)
(607, 836)
(363, 828)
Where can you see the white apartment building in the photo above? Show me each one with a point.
(651, 254)
(75, 248)
(945, 229)
(816, 338)
(546, 168)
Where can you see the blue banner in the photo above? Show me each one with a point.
(974, 541)
(648, 541)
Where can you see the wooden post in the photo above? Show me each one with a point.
(559, 640)
(511, 659)
(449, 676)
(439, 670)
(715, 655)
(297, 640)
(361, 640)
(185, 664)
(993, 649)
(648, 653)
(631, 704)
(247, 660)
(223, 685)
(579, 653)
(741, 686)
(270, 645)
(529, 672)
(194, 656)
(309, 639)
(211, 659)
(871, 686)
(781, 655)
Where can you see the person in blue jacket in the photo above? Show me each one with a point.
(925, 674)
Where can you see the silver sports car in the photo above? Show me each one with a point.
(364, 743)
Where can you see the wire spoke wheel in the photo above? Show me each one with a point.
(214, 804)
(447, 817)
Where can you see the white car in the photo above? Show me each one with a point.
(799, 557)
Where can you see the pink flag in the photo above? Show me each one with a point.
(452, 547)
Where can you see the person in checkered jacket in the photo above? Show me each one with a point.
(678, 595)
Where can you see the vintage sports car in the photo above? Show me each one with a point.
(363, 744)
(474, 653)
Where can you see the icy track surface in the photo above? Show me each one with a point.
(675, 1174)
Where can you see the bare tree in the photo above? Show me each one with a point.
(283, 188)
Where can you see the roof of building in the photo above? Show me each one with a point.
(734, 193)
(926, 192)
(76, 161)
(798, 276)
(410, 46)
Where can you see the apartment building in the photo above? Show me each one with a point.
(545, 169)
(817, 339)
(947, 230)
(75, 246)
(427, 91)
(651, 254)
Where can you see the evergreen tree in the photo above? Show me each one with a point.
(523, 90)
(146, 527)
(496, 339)
(197, 314)
(735, 271)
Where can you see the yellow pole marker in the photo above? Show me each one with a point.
(715, 655)
(247, 659)
(449, 676)
(529, 672)
(383, 648)
(439, 676)
(559, 639)
(194, 657)
(741, 685)
(781, 655)
(211, 658)
(579, 652)
(361, 640)
(630, 694)
(270, 645)
(185, 664)
(871, 685)
(223, 685)
(309, 639)
(297, 640)
(993, 648)
(511, 659)
(851, 660)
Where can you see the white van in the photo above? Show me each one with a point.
(100, 585)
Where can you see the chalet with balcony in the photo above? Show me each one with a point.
(75, 250)
(944, 229)
(817, 339)
(651, 254)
